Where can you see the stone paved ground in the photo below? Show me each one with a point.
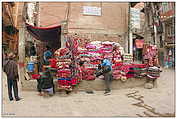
(80, 104)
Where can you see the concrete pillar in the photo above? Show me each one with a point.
(130, 34)
(131, 42)
(155, 35)
(62, 40)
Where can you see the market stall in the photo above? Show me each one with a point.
(70, 71)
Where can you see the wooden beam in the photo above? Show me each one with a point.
(21, 54)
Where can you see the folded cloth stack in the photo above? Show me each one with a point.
(94, 51)
(63, 62)
(53, 63)
(64, 83)
(154, 71)
(35, 76)
(88, 74)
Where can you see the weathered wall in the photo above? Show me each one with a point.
(51, 13)
(112, 25)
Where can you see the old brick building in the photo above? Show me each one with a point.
(167, 39)
(111, 24)
(9, 31)
(11, 22)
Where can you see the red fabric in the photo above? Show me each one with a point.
(117, 76)
(116, 72)
(89, 72)
(64, 73)
(35, 76)
(53, 63)
(21, 64)
(64, 82)
(90, 77)
(74, 81)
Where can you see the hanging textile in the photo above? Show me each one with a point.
(139, 43)
(51, 35)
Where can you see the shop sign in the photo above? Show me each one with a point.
(139, 43)
(167, 15)
(88, 10)
(128, 57)
(135, 18)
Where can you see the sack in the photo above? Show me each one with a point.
(99, 73)
(106, 69)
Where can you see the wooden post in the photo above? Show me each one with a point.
(63, 31)
(21, 54)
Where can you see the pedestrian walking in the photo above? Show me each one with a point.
(11, 70)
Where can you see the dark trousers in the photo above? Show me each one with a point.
(53, 88)
(108, 79)
(12, 83)
(39, 85)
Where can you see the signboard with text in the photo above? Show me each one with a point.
(88, 10)
(135, 18)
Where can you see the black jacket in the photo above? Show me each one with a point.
(11, 69)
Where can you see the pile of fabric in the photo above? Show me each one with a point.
(150, 55)
(124, 71)
(95, 51)
(68, 73)
(119, 71)
(153, 72)
(136, 70)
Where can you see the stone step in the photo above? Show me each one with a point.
(96, 85)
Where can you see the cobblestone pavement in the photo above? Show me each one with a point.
(78, 104)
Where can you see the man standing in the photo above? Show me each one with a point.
(11, 70)
(106, 68)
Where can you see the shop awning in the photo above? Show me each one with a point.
(138, 36)
(51, 35)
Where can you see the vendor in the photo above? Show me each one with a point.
(47, 55)
(106, 66)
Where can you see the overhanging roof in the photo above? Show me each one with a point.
(51, 35)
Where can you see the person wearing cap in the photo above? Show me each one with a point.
(11, 70)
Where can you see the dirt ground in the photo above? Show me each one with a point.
(156, 102)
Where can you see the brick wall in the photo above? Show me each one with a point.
(112, 25)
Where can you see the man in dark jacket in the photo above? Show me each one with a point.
(11, 70)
